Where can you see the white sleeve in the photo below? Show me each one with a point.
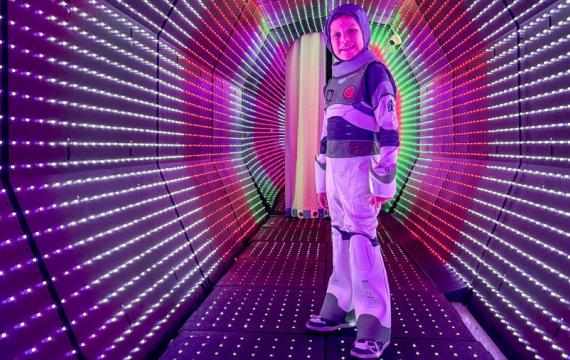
(382, 169)
(321, 160)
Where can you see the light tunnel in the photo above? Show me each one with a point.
(143, 151)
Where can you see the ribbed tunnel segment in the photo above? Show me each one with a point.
(142, 146)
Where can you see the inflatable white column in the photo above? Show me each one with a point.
(305, 79)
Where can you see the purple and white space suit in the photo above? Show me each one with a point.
(358, 154)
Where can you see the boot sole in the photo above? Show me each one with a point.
(330, 328)
(369, 356)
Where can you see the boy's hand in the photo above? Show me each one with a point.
(377, 201)
(322, 200)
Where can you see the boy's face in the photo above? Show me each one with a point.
(346, 37)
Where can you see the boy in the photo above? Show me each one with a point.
(356, 173)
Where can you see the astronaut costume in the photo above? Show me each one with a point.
(358, 153)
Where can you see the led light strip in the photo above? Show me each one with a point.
(529, 299)
(516, 332)
(100, 256)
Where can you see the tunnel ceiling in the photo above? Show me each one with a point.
(143, 142)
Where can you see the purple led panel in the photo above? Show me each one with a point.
(30, 324)
(115, 181)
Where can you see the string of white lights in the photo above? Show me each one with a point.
(501, 297)
(129, 243)
(163, 297)
(547, 290)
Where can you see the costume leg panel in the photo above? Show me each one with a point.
(359, 216)
(338, 302)
(371, 290)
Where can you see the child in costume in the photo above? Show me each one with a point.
(356, 173)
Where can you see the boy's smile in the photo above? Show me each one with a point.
(346, 37)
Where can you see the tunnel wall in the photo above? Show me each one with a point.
(487, 193)
(142, 143)
(125, 193)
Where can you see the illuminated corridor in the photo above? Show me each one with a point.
(143, 151)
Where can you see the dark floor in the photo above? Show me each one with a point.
(259, 308)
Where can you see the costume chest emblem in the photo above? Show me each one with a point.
(390, 106)
(349, 92)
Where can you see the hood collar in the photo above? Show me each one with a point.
(363, 58)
